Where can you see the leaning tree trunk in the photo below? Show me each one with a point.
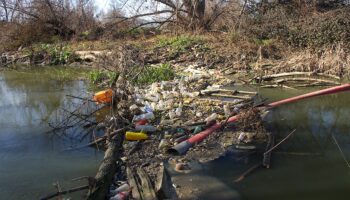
(107, 170)
(196, 12)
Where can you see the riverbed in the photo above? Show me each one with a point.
(31, 159)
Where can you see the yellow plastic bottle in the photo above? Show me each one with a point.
(135, 135)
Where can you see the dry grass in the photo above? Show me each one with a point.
(332, 60)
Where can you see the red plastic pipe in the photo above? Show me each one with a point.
(185, 145)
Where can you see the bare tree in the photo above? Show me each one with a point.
(192, 14)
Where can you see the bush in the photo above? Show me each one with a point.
(322, 30)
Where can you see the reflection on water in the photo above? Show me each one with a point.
(30, 159)
(309, 164)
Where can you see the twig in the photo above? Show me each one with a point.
(50, 196)
(99, 140)
(341, 151)
(249, 171)
(284, 139)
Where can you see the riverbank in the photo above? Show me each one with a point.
(248, 60)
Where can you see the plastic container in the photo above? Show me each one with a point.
(147, 116)
(135, 135)
(123, 188)
(104, 96)
(145, 128)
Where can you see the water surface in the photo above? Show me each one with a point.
(308, 165)
(31, 159)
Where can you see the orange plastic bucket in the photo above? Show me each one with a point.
(104, 96)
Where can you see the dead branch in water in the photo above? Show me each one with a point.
(97, 141)
(50, 196)
(341, 151)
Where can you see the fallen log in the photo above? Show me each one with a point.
(107, 169)
(307, 79)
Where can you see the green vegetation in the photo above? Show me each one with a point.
(262, 42)
(178, 44)
(97, 76)
(59, 54)
(152, 74)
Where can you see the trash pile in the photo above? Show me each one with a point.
(169, 112)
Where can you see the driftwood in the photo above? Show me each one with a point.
(277, 86)
(163, 184)
(107, 169)
(147, 190)
(141, 185)
(133, 185)
(231, 96)
(272, 76)
(307, 79)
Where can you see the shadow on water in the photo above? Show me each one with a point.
(30, 159)
(308, 165)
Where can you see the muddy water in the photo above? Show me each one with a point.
(309, 164)
(30, 159)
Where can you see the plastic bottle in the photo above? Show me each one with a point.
(197, 129)
(145, 128)
(123, 188)
(163, 143)
(120, 196)
(227, 110)
(135, 135)
(147, 116)
(212, 117)
(172, 114)
(141, 122)
(178, 111)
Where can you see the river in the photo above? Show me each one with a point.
(306, 166)
(31, 160)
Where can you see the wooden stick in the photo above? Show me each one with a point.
(84, 99)
(284, 139)
(249, 171)
(307, 79)
(231, 96)
(95, 142)
(341, 152)
(295, 74)
(50, 196)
